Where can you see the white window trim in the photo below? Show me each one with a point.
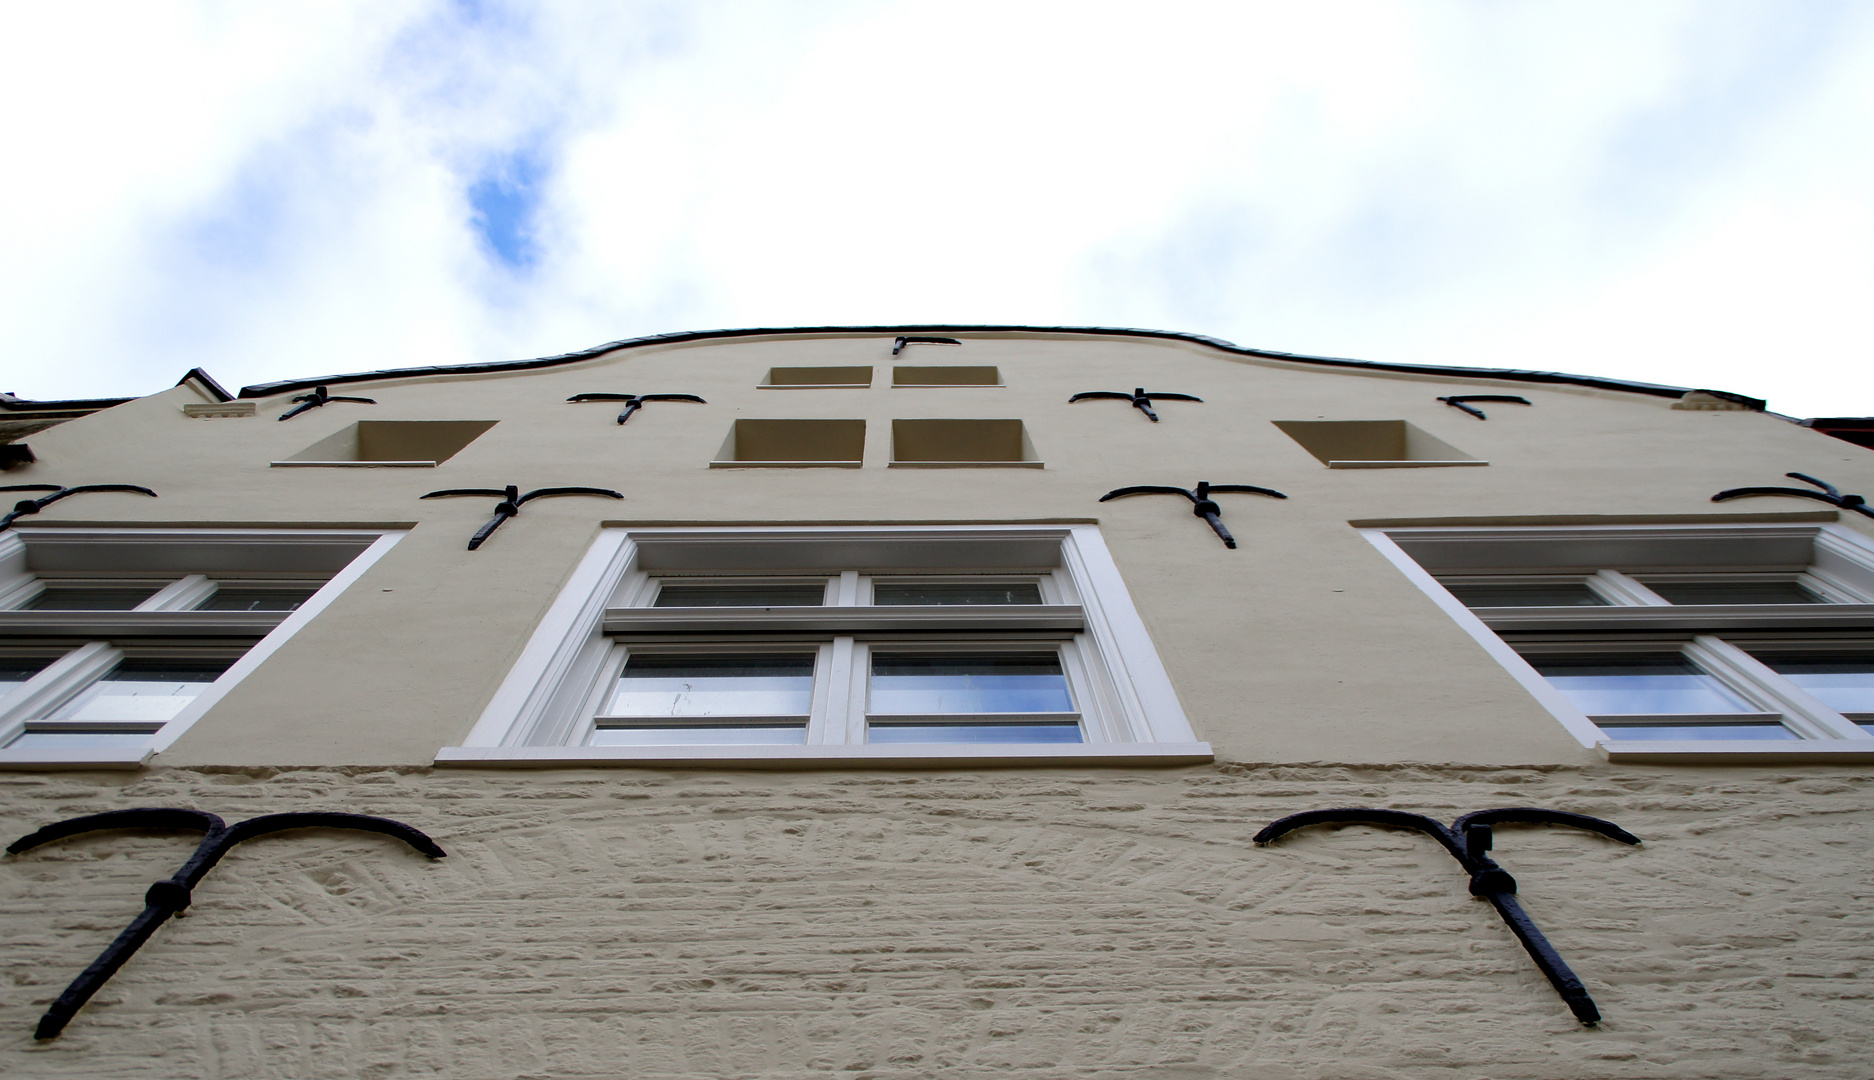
(51, 687)
(569, 645)
(1841, 556)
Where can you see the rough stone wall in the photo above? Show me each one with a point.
(958, 925)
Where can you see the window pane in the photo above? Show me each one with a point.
(16, 670)
(227, 599)
(1843, 683)
(788, 594)
(1737, 592)
(80, 598)
(142, 692)
(963, 684)
(974, 733)
(1566, 594)
(660, 685)
(1639, 684)
(77, 740)
(788, 735)
(1697, 731)
(952, 593)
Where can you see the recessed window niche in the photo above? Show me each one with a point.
(1373, 444)
(961, 444)
(817, 378)
(792, 444)
(945, 376)
(408, 444)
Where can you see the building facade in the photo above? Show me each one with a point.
(854, 720)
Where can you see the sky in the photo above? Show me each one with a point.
(1675, 192)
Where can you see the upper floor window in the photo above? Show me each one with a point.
(807, 645)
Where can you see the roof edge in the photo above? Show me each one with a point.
(1509, 374)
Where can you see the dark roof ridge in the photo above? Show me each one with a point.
(1510, 374)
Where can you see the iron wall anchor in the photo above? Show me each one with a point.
(1467, 839)
(319, 397)
(1459, 402)
(897, 345)
(1140, 399)
(1201, 504)
(511, 502)
(1829, 494)
(634, 402)
(33, 506)
(169, 896)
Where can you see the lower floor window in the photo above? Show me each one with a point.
(101, 695)
(1713, 688)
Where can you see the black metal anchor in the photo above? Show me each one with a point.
(171, 895)
(33, 506)
(319, 397)
(898, 345)
(1458, 402)
(511, 501)
(1202, 506)
(1140, 400)
(1467, 839)
(1829, 494)
(634, 402)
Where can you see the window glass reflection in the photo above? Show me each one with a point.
(783, 594)
(1843, 683)
(974, 733)
(82, 598)
(238, 599)
(1733, 592)
(1640, 684)
(913, 593)
(16, 670)
(676, 685)
(1564, 594)
(781, 735)
(141, 692)
(961, 683)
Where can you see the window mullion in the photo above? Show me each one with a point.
(1624, 591)
(831, 721)
(1759, 682)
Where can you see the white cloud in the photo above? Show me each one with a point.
(1673, 192)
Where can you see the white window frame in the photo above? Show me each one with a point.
(1129, 709)
(189, 558)
(1835, 562)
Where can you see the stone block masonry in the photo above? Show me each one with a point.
(959, 925)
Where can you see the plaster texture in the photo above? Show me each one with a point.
(1063, 924)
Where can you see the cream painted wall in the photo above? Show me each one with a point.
(1303, 645)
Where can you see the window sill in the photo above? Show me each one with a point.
(354, 464)
(1398, 464)
(1736, 751)
(893, 756)
(966, 465)
(784, 464)
(55, 760)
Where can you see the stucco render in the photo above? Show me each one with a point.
(1068, 924)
